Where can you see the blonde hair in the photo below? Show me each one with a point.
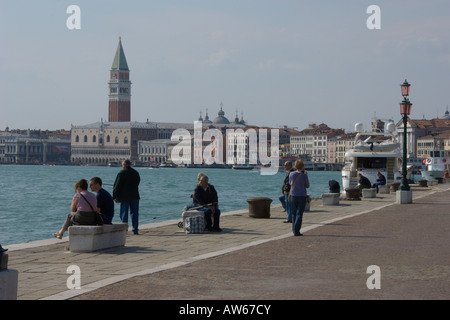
(200, 175)
(299, 165)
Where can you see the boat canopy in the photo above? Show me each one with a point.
(354, 153)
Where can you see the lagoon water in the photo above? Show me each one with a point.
(35, 200)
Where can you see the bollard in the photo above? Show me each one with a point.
(423, 183)
(353, 194)
(8, 278)
(259, 207)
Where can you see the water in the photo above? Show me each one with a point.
(35, 200)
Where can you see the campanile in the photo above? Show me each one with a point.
(119, 88)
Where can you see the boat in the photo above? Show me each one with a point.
(243, 167)
(373, 152)
(436, 163)
(168, 165)
(114, 164)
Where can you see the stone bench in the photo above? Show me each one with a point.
(330, 199)
(369, 193)
(94, 238)
(384, 189)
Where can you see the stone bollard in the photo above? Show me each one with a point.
(9, 278)
(369, 193)
(330, 199)
(259, 207)
(353, 194)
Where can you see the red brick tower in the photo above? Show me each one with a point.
(119, 88)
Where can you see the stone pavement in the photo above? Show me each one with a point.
(259, 258)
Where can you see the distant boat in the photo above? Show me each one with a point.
(243, 167)
(114, 164)
(168, 165)
(437, 163)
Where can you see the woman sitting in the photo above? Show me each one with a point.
(82, 209)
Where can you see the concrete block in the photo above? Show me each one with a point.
(369, 193)
(9, 280)
(94, 238)
(384, 189)
(330, 199)
(403, 197)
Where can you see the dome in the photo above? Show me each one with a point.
(447, 114)
(221, 119)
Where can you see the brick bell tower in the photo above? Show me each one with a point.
(119, 88)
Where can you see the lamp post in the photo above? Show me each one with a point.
(405, 110)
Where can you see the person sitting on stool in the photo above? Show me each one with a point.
(206, 195)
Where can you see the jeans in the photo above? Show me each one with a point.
(286, 206)
(208, 214)
(298, 204)
(133, 206)
(375, 185)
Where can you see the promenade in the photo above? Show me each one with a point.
(260, 258)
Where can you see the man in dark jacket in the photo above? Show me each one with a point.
(206, 195)
(363, 182)
(126, 191)
(285, 189)
(381, 181)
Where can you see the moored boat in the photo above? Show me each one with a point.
(373, 152)
(436, 164)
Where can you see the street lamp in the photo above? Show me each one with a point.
(405, 110)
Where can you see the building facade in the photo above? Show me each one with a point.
(29, 148)
(103, 142)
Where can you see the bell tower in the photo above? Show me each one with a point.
(119, 88)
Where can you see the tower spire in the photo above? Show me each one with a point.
(120, 62)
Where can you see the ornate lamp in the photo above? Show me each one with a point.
(405, 88)
(405, 110)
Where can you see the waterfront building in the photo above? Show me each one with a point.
(102, 142)
(437, 141)
(314, 141)
(416, 129)
(155, 151)
(34, 147)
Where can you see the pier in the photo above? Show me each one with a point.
(260, 258)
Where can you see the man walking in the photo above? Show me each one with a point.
(126, 191)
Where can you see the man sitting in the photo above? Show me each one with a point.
(381, 181)
(205, 195)
(363, 182)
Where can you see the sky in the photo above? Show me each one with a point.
(284, 62)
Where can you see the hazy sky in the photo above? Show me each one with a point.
(279, 62)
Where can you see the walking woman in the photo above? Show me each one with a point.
(299, 183)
